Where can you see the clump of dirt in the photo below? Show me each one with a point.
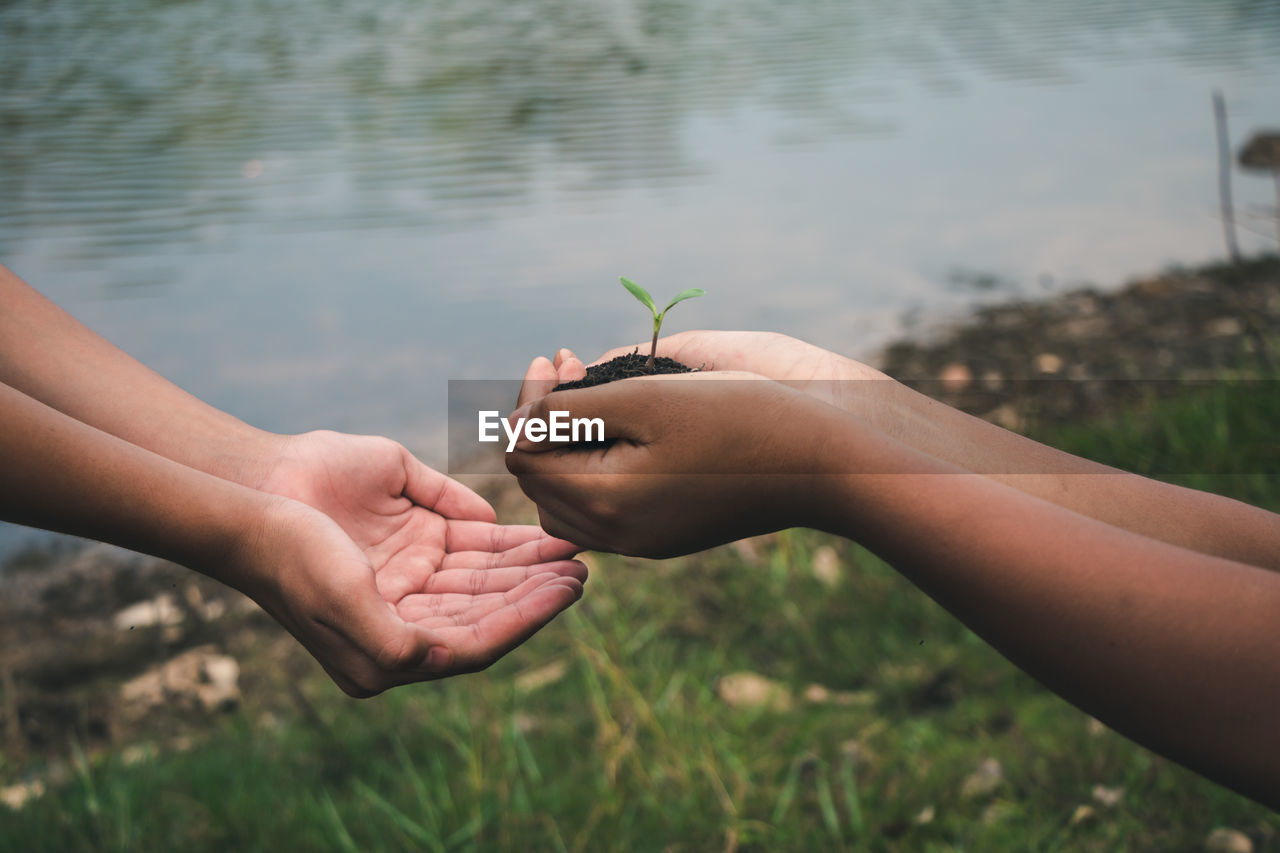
(625, 367)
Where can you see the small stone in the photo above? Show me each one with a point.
(1224, 327)
(1006, 416)
(1081, 814)
(750, 690)
(748, 550)
(136, 753)
(198, 676)
(540, 677)
(161, 610)
(1047, 362)
(1095, 727)
(17, 796)
(955, 377)
(220, 690)
(983, 781)
(213, 610)
(826, 566)
(1102, 795)
(1227, 840)
(925, 816)
(997, 812)
(817, 694)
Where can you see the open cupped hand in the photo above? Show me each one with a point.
(404, 561)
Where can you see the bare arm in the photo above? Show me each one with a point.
(1203, 522)
(1175, 648)
(49, 355)
(63, 475)
(368, 628)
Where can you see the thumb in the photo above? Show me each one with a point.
(401, 651)
(539, 379)
(428, 488)
(613, 411)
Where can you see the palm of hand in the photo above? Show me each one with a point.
(359, 482)
(436, 555)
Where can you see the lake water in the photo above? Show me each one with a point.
(313, 214)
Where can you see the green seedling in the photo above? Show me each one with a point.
(643, 295)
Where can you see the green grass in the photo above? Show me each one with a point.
(632, 748)
(1221, 436)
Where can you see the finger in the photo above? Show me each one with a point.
(561, 355)
(570, 368)
(615, 404)
(621, 405)
(496, 538)
(476, 645)
(389, 643)
(560, 499)
(437, 610)
(539, 379)
(433, 610)
(429, 488)
(557, 525)
(541, 550)
(485, 581)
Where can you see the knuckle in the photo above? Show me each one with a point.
(517, 462)
(395, 654)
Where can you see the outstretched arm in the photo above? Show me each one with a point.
(50, 356)
(1203, 522)
(368, 631)
(104, 447)
(393, 507)
(1173, 647)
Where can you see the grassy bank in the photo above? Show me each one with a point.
(791, 692)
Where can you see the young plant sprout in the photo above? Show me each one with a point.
(643, 295)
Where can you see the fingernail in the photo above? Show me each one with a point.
(439, 657)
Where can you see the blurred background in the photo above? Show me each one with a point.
(315, 214)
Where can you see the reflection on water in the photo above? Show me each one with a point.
(134, 124)
(315, 213)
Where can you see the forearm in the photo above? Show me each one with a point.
(50, 356)
(1117, 623)
(63, 475)
(1190, 519)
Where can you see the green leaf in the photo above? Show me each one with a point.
(639, 293)
(688, 294)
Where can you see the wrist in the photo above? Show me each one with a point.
(259, 533)
(245, 456)
(828, 453)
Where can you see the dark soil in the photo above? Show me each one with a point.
(624, 367)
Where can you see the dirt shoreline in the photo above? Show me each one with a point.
(1155, 333)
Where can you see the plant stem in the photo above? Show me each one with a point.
(653, 349)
